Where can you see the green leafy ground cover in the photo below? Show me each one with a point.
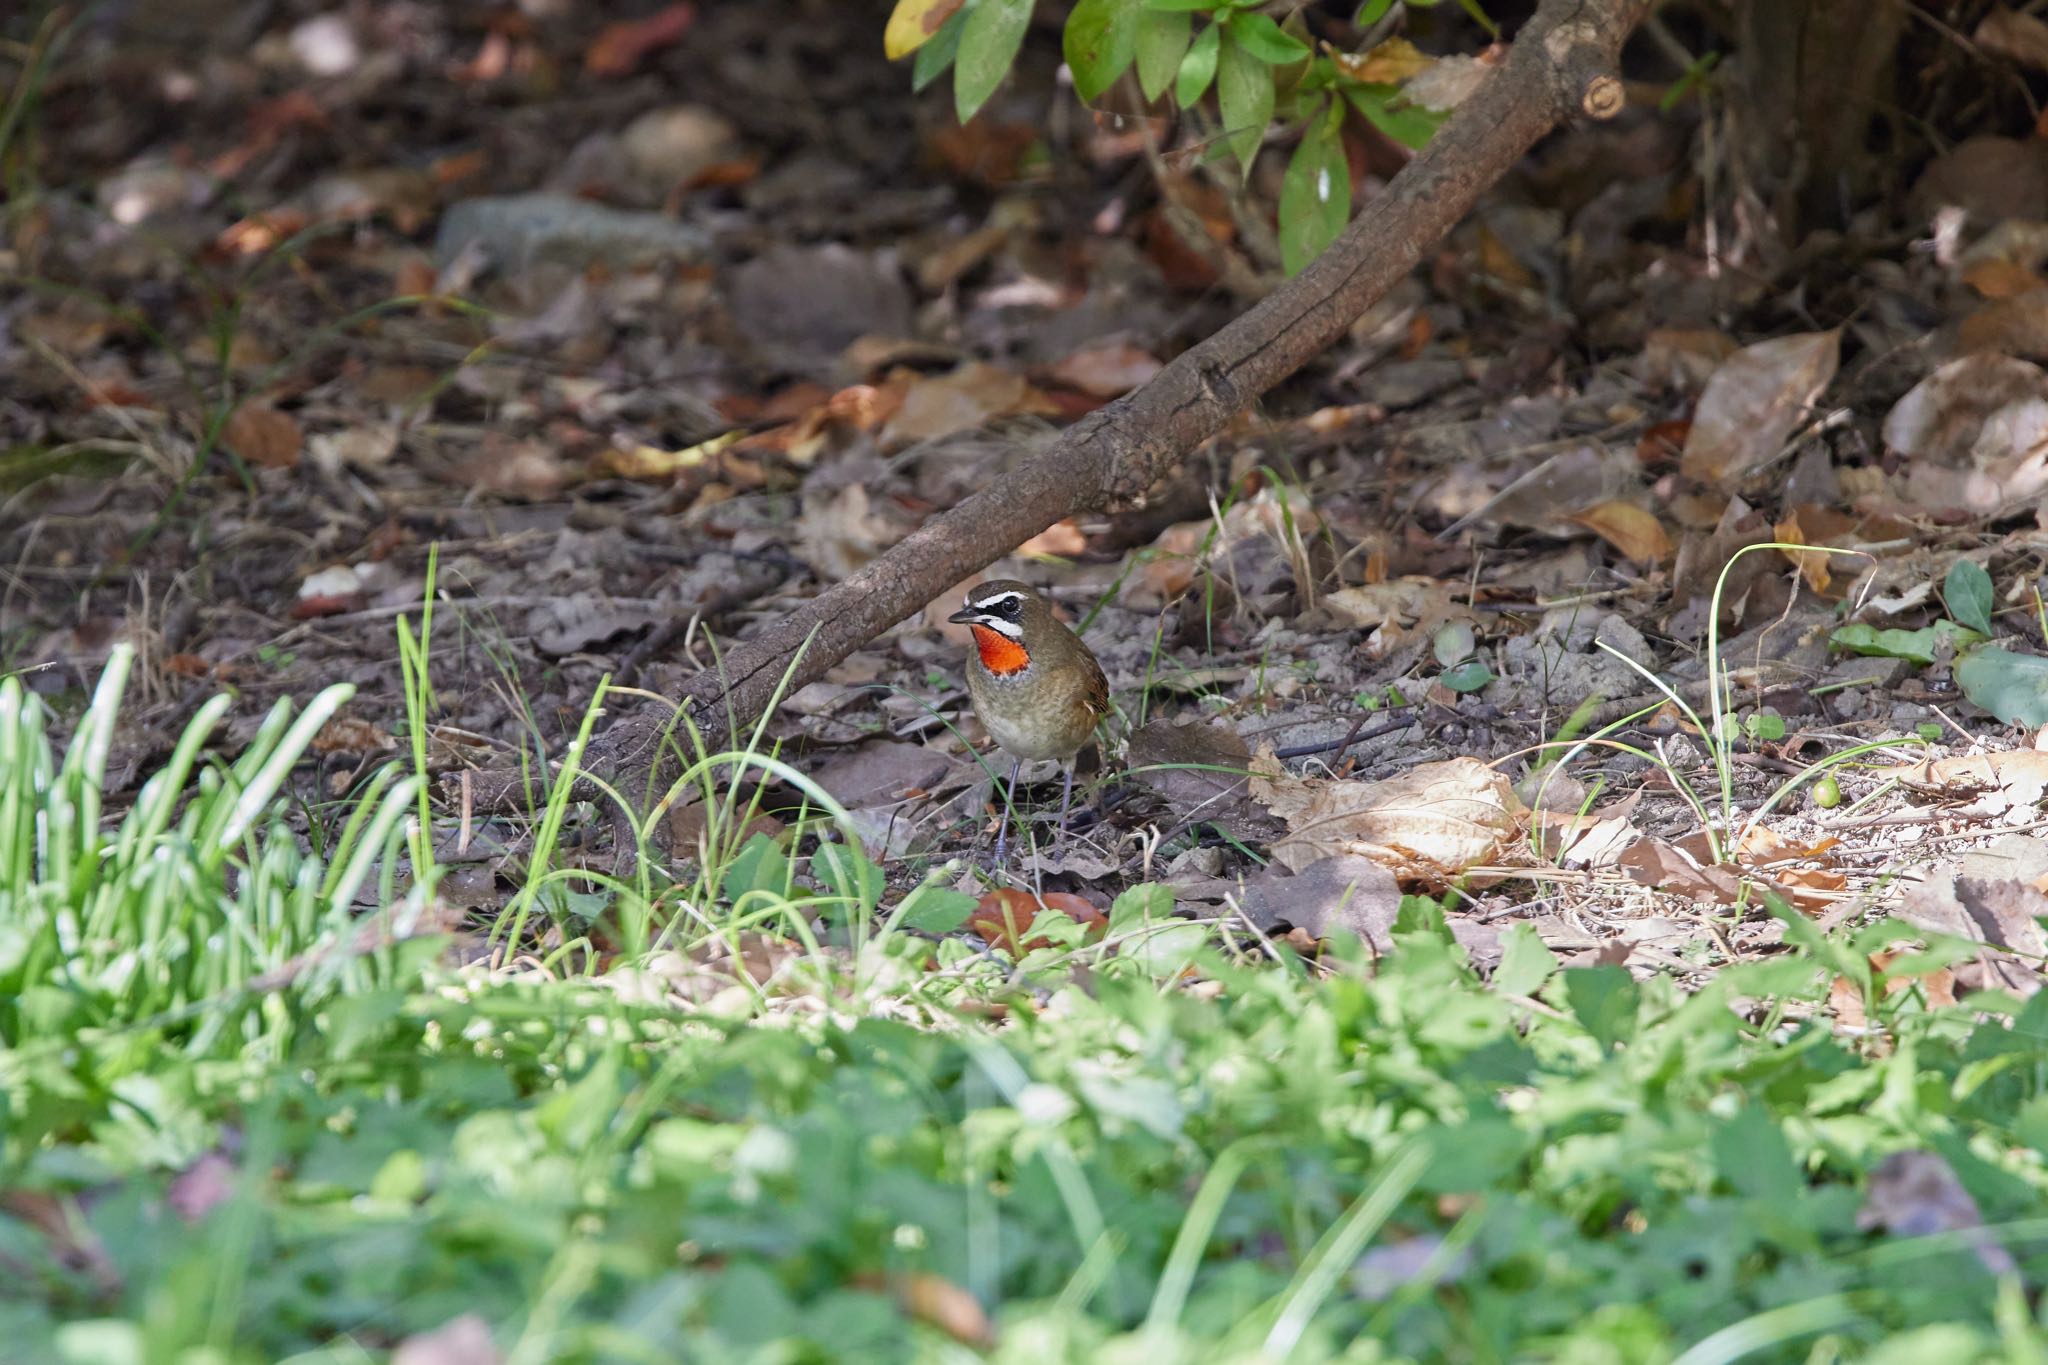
(244, 1120)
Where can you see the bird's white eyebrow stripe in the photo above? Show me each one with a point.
(984, 603)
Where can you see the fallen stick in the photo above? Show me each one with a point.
(1562, 65)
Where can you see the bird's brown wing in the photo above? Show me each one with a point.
(1095, 696)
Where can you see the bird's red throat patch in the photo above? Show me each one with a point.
(1000, 654)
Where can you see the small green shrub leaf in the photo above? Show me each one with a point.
(1315, 204)
(1405, 123)
(988, 45)
(1163, 37)
(1100, 41)
(1258, 35)
(935, 56)
(1198, 68)
(1244, 90)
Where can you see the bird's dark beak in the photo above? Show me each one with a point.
(964, 616)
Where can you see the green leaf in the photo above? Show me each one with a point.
(1204, 6)
(1752, 1155)
(1244, 90)
(988, 45)
(1764, 724)
(1198, 68)
(1470, 676)
(1525, 964)
(936, 55)
(1162, 41)
(1920, 646)
(1371, 12)
(1262, 38)
(1454, 641)
(2012, 687)
(1967, 591)
(934, 909)
(1100, 40)
(847, 873)
(760, 865)
(1405, 123)
(1145, 903)
(1604, 999)
(1315, 203)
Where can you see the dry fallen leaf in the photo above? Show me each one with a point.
(1628, 528)
(263, 436)
(1433, 822)
(1005, 916)
(837, 533)
(1200, 771)
(1390, 63)
(2017, 776)
(1753, 404)
(961, 401)
(2014, 35)
(1812, 564)
(1106, 371)
(621, 47)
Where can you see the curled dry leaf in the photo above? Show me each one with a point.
(1753, 404)
(1666, 867)
(1423, 603)
(1432, 823)
(1976, 435)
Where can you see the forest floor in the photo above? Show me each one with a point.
(1605, 601)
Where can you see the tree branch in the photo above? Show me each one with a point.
(1562, 65)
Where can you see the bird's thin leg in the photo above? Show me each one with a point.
(1059, 835)
(1008, 809)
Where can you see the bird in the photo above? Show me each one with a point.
(1037, 687)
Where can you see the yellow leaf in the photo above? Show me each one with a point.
(1629, 529)
(652, 462)
(912, 24)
